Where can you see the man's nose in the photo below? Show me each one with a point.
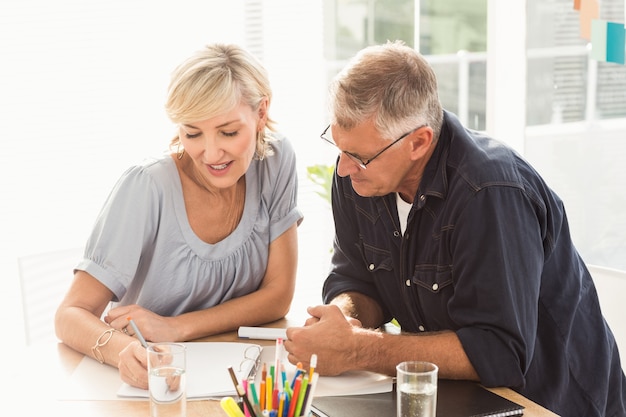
(346, 166)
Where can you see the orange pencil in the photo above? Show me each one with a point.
(262, 395)
(299, 370)
(294, 398)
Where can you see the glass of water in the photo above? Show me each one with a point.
(166, 380)
(416, 389)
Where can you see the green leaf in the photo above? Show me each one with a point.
(322, 176)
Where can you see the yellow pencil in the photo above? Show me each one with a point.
(231, 408)
(268, 393)
(281, 403)
(313, 364)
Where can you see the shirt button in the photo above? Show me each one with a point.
(408, 282)
(421, 328)
(371, 267)
(422, 197)
(435, 287)
(396, 233)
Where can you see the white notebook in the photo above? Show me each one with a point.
(348, 383)
(207, 369)
(208, 376)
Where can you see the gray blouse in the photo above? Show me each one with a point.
(144, 250)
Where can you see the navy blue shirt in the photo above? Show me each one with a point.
(487, 253)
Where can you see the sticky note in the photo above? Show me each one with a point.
(589, 10)
(598, 39)
(615, 42)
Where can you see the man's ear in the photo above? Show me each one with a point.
(421, 141)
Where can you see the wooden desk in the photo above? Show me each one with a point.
(34, 395)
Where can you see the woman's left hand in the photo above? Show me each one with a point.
(153, 327)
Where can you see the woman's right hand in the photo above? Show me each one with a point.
(133, 365)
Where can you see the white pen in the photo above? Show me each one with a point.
(137, 332)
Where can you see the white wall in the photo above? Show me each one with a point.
(82, 91)
(585, 163)
(83, 86)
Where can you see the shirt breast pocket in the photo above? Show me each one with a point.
(376, 259)
(434, 289)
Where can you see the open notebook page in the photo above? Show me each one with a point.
(93, 381)
(207, 369)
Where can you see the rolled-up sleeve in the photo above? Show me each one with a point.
(127, 223)
(283, 190)
(495, 295)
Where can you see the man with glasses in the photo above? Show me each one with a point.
(458, 239)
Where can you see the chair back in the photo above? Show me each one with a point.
(44, 280)
(611, 286)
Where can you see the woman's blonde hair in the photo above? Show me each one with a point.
(215, 80)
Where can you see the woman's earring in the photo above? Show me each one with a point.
(179, 152)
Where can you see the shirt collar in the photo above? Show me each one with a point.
(435, 179)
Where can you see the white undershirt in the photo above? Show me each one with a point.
(403, 211)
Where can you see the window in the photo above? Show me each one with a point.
(564, 84)
(576, 118)
(352, 25)
(83, 86)
(575, 108)
(451, 34)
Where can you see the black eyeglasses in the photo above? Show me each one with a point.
(356, 159)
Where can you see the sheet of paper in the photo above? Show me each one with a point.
(90, 381)
(350, 383)
(207, 369)
(207, 374)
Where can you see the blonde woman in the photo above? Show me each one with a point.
(201, 241)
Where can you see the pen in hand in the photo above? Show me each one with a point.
(137, 332)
